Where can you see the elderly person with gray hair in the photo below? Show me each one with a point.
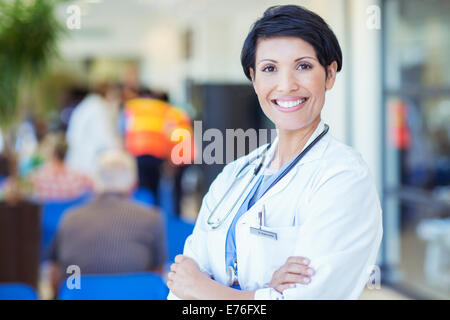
(116, 172)
(110, 234)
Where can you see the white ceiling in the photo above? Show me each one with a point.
(122, 27)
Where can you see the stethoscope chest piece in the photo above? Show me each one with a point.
(231, 276)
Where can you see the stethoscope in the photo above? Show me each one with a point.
(217, 222)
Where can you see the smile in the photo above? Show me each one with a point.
(289, 106)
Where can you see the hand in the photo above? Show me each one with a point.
(295, 270)
(184, 276)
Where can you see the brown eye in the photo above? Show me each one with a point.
(268, 68)
(304, 66)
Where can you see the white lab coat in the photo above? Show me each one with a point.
(326, 209)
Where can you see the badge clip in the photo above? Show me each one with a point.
(260, 231)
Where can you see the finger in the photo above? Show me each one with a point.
(171, 276)
(299, 260)
(298, 269)
(179, 258)
(295, 278)
(173, 267)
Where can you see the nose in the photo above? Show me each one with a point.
(287, 82)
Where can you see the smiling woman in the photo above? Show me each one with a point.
(290, 81)
(307, 224)
(292, 57)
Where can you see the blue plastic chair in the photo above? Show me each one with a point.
(17, 291)
(165, 196)
(144, 196)
(177, 232)
(177, 229)
(136, 286)
(52, 214)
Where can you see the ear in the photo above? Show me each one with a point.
(252, 74)
(331, 77)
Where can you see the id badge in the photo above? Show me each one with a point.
(263, 233)
(260, 231)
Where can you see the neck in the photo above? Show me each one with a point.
(57, 164)
(291, 143)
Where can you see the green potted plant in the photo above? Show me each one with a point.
(28, 41)
(29, 33)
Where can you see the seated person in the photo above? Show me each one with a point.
(53, 181)
(110, 234)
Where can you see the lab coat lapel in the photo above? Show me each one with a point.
(313, 154)
(281, 185)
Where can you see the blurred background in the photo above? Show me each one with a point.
(78, 73)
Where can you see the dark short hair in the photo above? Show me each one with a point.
(296, 21)
(60, 149)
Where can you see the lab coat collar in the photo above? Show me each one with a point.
(314, 154)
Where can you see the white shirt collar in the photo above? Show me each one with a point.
(313, 154)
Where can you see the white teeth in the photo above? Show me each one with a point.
(289, 104)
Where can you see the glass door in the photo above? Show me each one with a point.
(416, 160)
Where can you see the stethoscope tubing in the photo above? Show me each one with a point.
(255, 173)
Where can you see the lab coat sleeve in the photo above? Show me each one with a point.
(341, 236)
(195, 246)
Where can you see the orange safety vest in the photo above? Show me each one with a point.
(149, 127)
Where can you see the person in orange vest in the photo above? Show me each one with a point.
(182, 151)
(151, 136)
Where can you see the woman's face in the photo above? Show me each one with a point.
(290, 82)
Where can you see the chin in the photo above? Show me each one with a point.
(294, 121)
(292, 125)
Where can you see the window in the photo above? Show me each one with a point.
(416, 160)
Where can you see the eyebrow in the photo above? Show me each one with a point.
(298, 59)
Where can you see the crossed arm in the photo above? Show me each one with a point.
(186, 280)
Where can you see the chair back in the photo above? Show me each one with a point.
(177, 231)
(144, 196)
(52, 215)
(165, 197)
(17, 291)
(136, 286)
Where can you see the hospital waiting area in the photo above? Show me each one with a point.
(96, 96)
